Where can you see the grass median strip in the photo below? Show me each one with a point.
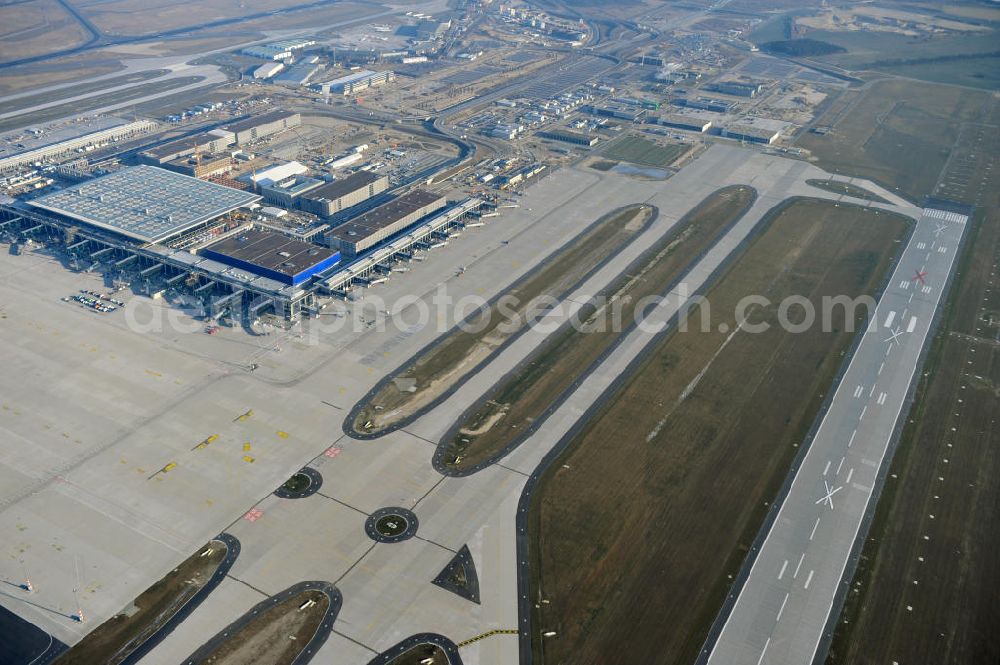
(437, 369)
(501, 418)
(638, 528)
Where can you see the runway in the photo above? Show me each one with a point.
(780, 614)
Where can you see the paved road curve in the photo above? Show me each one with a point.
(781, 611)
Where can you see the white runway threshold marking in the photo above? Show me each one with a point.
(912, 325)
(889, 319)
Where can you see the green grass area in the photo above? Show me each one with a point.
(637, 529)
(638, 150)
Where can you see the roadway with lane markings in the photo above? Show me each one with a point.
(781, 612)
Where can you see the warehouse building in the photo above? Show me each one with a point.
(750, 134)
(299, 74)
(735, 88)
(356, 82)
(274, 174)
(260, 126)
(144, 203)
(333, 197)
(378, 224)
(278, 50)
(568, 137)
(268, 70)
(272, 255)
(287, 193)
(213, 142)
(706, 104)
(690, 123)
(59, 148)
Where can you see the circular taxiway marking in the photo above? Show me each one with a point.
(305, 482)
(391, 525)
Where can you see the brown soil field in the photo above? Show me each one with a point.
(265, 640)
(37, 27)
(453, 356)
(927, 585)
(899, 133)
(116, 638)
(524, 395)
(639, 528)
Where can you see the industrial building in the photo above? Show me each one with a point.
(278, 50)
(272, 255)
(201, 165)
(144, 203)
(378, 224)
(706, 104)
(333, 197)
(213, 141)
(735, 88)
(568, 137)
(59, 148)
(356, 82)
(750, 134)
(268, 70)
(690, 123)
(617, 111)
(275, 173)
(299, 74)
(263, 125)
(286, 192)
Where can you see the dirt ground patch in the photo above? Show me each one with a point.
(638, 529)
(447, 361)
(525, 394)
(898, 133)
(116, 638)
(266, 639)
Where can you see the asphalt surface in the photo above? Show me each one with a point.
(390, 377)
(24, 643)
(781, 612)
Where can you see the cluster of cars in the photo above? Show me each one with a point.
(96, 301)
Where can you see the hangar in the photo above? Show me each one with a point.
(145, 203)
(272, 255)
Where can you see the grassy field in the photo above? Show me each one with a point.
(898, 133)
(436, 369)
(523, 396)
(638, 150)
(934, 522)
(638, 529)
(112, 641)
(847, 189)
